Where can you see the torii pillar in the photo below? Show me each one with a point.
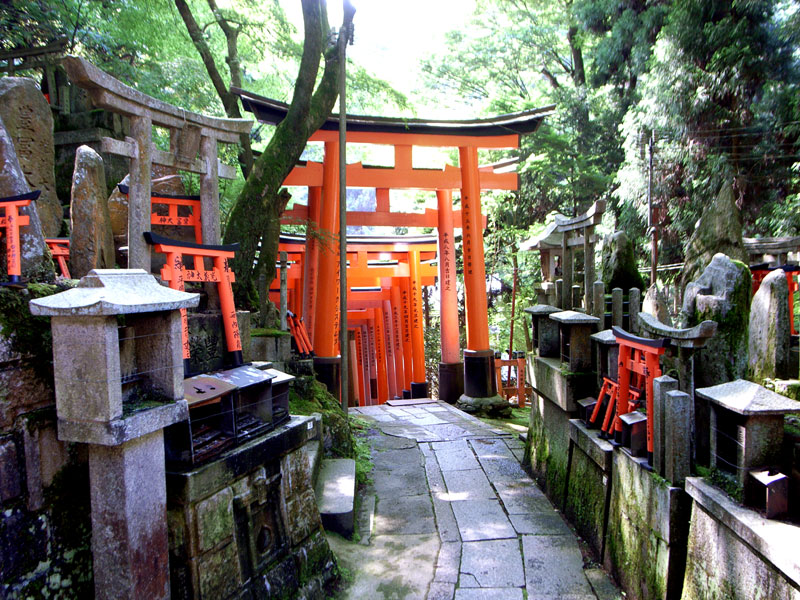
(451, 369)
(480, 385)
(327, 361)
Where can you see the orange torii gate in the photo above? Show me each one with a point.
(321, 273)
(378, 266)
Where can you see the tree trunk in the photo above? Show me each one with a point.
(255, 217)
(230, 102)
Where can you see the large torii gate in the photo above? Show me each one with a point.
(321, 276)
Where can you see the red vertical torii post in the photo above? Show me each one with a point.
(326, 334)
(479, 376)
(310, 272)
(419, 384)
(451, 370)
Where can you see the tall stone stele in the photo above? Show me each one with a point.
(36, 262)
(721, 294)
(29, 122)
(619, 263)
(719, 230)
(769, 329)
(91, 241)
(97, 406)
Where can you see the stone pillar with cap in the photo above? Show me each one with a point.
(119, 407)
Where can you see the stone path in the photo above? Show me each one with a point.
(457, 518)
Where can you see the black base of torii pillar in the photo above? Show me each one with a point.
(480, 386)
(451, 381)
(328, 370)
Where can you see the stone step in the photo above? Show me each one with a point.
(313, 451)
(336, 492)
(523, 436)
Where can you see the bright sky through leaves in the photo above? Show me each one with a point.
(391, 36)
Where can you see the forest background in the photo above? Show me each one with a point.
(713, 84)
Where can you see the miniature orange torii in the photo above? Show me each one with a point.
(11, 221)
(59, 248)
(175, 273)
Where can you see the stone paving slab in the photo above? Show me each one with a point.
(503, 469)
(404, 515)
(467, 485)
(491, 448)
(554, 567)
(540, 523)
(493, 563)
(447, 565)
(489, 594)
(482, 520)
(399, 483)
(440, 590)
(392, 567)
(504, 541)
(522, 498)
(455, 456)
(405, 459)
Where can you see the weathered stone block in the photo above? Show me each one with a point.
(36, 262)
(218, 573)
(29, 121)
(215, 520)
(10, 486)
(646, 532)
(91, 242)
(769, 328)
(562, 388)
(733, 553)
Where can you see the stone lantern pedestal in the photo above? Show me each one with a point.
(119, 381)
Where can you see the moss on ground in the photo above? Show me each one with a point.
(267, 332)
(517, 422)
(307, 396)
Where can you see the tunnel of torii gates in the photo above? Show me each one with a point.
(385, 275)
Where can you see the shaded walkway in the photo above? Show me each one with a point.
(452, 514)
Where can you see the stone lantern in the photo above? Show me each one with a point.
(119, 381)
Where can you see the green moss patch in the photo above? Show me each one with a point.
(307, 396)
(267, 332)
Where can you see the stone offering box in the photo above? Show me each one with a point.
(747, 428)
(227, 408)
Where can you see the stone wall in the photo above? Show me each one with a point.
(248, 523)
(44, 483)
(734, 553)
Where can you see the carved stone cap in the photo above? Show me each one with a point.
(542, 309)
(748, 398)
(106, 292)
(693, 337)
(573, 317)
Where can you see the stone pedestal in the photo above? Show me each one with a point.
(575, 329)
(119, 406)
(544, 332)
(746, 426)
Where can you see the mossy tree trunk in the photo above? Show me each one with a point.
(256, 214)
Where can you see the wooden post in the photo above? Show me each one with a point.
(419, 380)
(328, 276)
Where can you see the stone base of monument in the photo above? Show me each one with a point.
(247, 524)
(492, 406)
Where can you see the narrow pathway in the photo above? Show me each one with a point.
(451, 514)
